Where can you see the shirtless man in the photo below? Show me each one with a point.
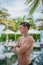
(24, 46)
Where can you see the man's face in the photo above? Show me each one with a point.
(22, 29)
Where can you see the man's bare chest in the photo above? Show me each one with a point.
(21, 42)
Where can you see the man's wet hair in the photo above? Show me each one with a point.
(25, 24)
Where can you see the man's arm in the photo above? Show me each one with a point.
(24, 47)
(17, 45)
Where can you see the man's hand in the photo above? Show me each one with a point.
(16, 50)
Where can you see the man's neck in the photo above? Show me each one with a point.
(25, 35)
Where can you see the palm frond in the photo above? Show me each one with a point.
(30, 5)
(34, 6)
(28, 1)
(4, 9)
(4, 14)
(42, 2)
(39, 20)
(24, 17)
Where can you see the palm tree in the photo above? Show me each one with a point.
(4, 13)
(40, 21)
(19, 20)
(31, 22)
(33, 4)
(4, 16)
(13, 24)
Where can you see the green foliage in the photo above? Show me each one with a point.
(3, 38)
(31, 21)
(37, 49)
(11, 36)
(39, 19)
(36, 37)
(28, 1)
(14, 58)
(33, 5)
(3, 62)
(4, 13)
(17, 36)
(40, 26)
(42, 1)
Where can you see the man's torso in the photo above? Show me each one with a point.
(24, 59)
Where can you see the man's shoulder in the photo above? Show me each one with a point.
(30, 38)
(20, 37)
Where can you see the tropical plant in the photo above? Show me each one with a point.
(4, 16)
(13, 25)
(33, 5)
(40, 21)
(31, 22)
(19, 20)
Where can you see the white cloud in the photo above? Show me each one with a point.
(1, 0)
(16, 8)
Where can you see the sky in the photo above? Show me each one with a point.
(17, 8)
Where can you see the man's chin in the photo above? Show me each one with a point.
(22, 33)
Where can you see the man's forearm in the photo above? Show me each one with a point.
(18, 51)
(16, 45)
